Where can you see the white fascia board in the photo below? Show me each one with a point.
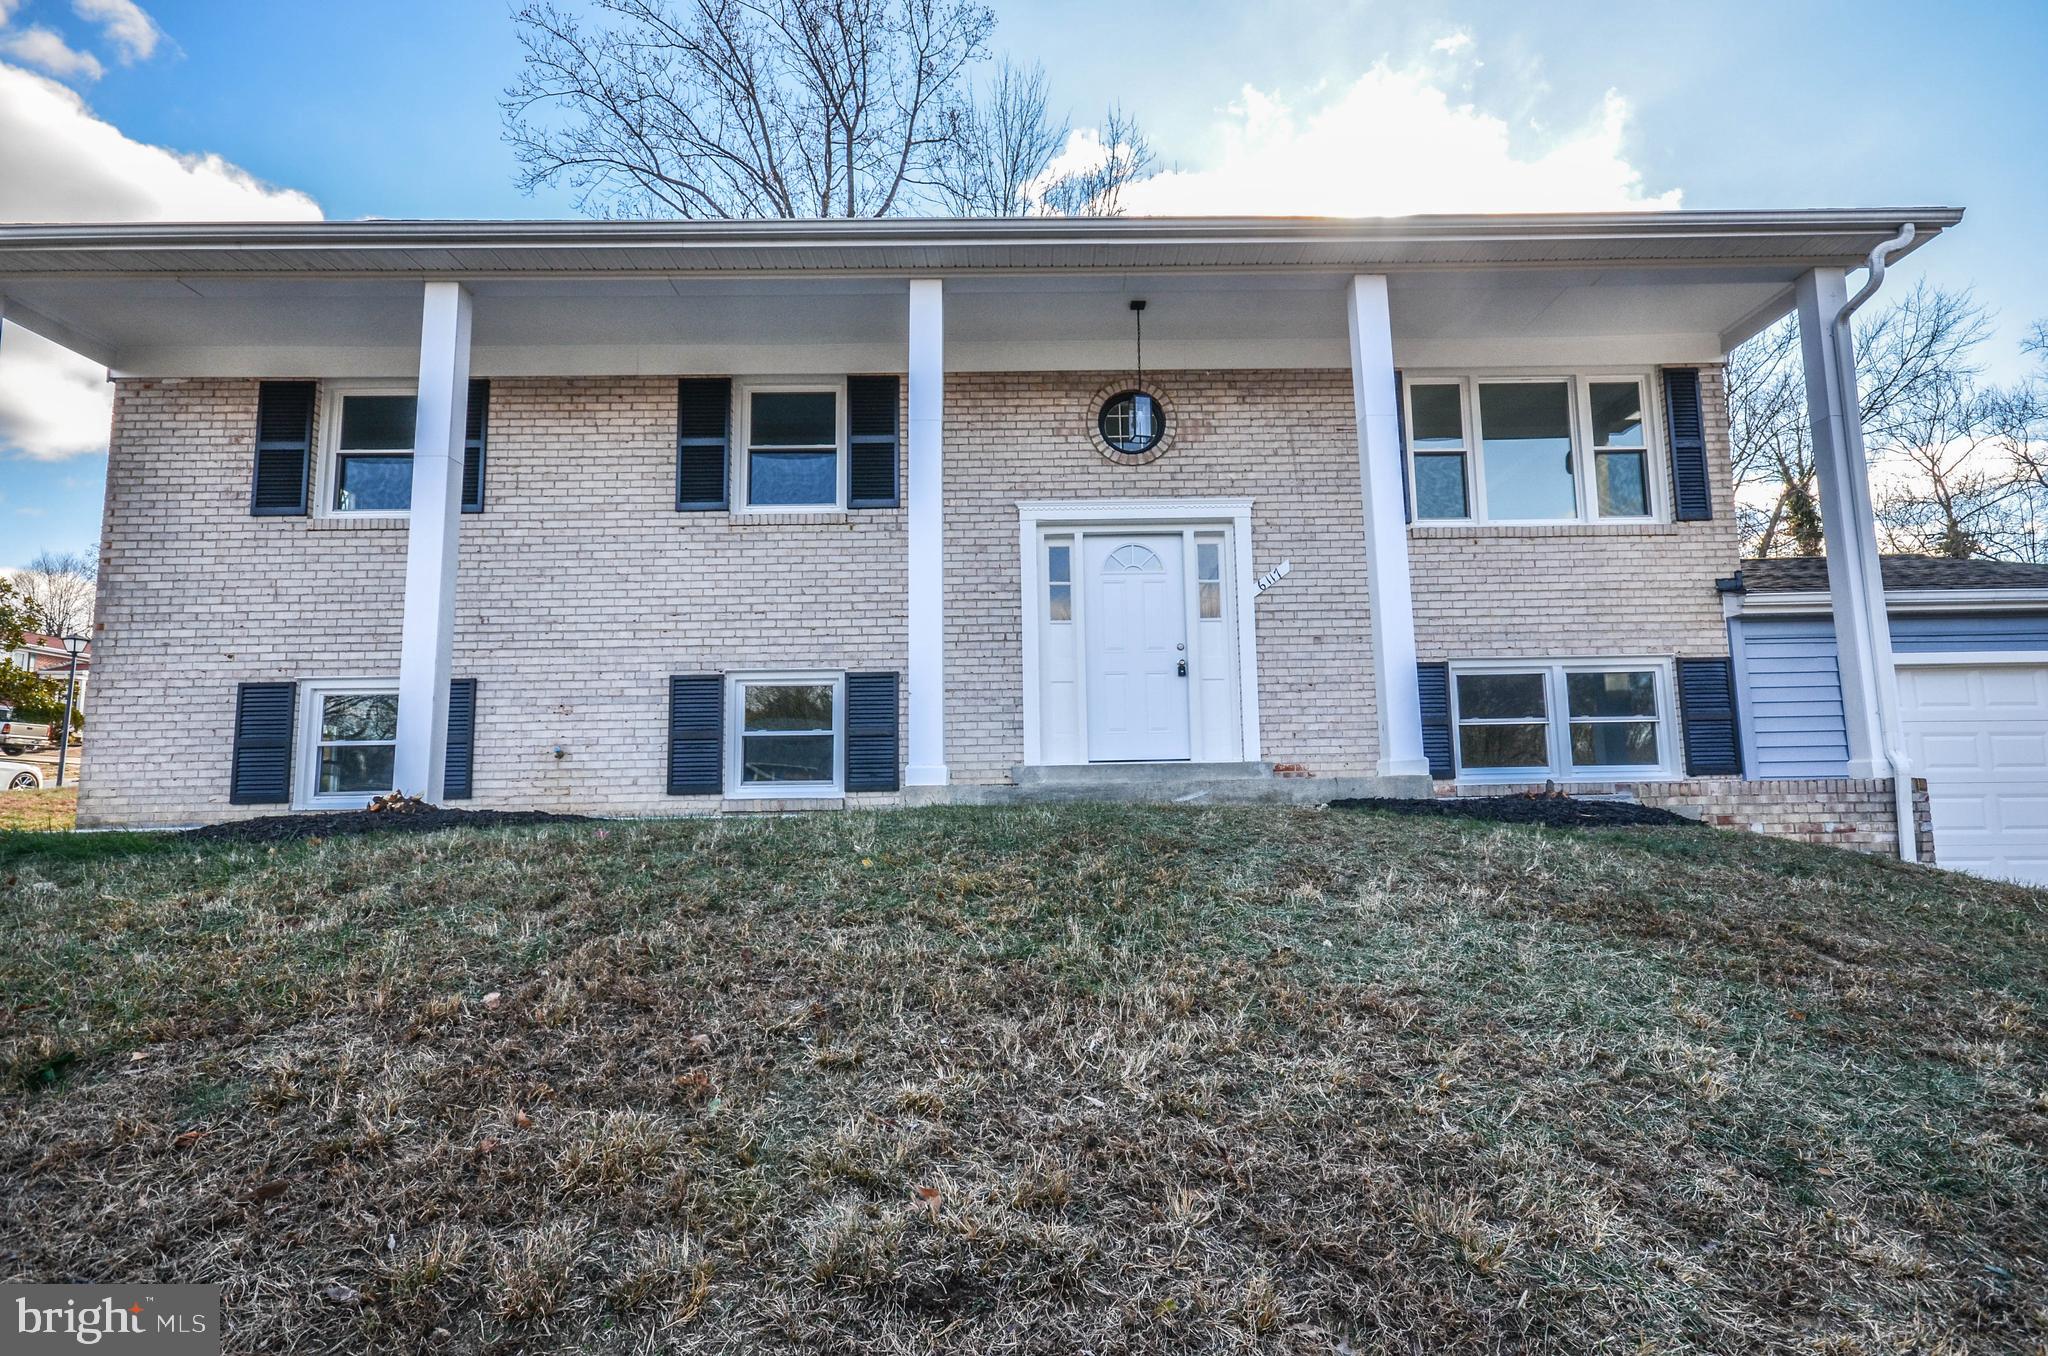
(1909, 601)
(926, 246)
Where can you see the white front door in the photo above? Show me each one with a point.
(1136, 606)
(1979, 735)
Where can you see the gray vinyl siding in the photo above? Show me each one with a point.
(1976, 631)
(1791, 687)
(1791, 699)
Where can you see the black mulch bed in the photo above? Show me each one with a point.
(344, 823)
(1565, 812)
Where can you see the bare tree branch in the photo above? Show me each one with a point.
(740, 108)
(56, 591)
(1942, 448)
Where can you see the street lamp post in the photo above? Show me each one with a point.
(73, 644)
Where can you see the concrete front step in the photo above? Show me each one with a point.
(1137, 774)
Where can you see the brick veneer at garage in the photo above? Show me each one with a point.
(1849, 813)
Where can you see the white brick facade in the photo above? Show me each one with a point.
(1580, 590)
(1285, 440)
(582, 589)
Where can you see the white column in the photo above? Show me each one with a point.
(1375, 400)
(427, 646)
(927, 602)
(1870, 693)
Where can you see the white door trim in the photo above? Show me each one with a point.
(1035, 516)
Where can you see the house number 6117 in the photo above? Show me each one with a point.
(1275, 575)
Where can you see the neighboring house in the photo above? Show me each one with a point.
(47, 656)
(877, 511)
(1970, 642)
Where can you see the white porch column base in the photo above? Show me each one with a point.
(1863, 644)
(427, 646)
(1388, 586)
(926, 762)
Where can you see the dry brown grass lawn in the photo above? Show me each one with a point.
(45, 811)
(1049, 1080)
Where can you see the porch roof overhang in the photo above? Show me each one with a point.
(341, 298)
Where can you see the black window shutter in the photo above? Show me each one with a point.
(703, 442)
(1686, 425)
(871, 740)
(457, 782)
(696, 734)
(1433, 683)
(1706, 706)
(1401, 432)
(871, 404)
(473, 447)
(284, 448)
(261, 773)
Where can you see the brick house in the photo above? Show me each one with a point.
(47, 657)
(886, 511)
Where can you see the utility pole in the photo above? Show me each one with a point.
(73, 644)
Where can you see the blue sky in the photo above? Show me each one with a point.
(391, 111)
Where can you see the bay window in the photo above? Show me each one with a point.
(1586, 719)
(1512, 449)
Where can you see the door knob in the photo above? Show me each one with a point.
(1182, 668)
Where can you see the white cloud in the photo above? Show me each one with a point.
(132, 32)
(59, 162)
(1391, 143)
(1452, 43)
(43, 48)
(53, 403)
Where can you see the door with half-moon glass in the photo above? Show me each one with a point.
(1137, 651)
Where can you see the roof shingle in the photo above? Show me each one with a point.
(1809, 574)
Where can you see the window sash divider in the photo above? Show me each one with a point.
(1585, 454)
(1558, 721)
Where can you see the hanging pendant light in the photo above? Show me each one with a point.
(1131, 421)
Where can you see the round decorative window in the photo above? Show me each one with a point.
(1131, 422)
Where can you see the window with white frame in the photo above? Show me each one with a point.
(369, 462)
(788, 734)
(1575, 719)
(348, 737)
(1209, 578)
(1059, 579)
(794, 440)
(1517, 449)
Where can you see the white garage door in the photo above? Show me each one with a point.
(1979, 735)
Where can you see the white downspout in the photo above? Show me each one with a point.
(1852, 408)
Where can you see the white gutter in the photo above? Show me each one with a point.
(1814, 603)
(1875, 620)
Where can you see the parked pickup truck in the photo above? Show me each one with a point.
(20, 736)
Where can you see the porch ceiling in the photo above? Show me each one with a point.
(611, 298)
